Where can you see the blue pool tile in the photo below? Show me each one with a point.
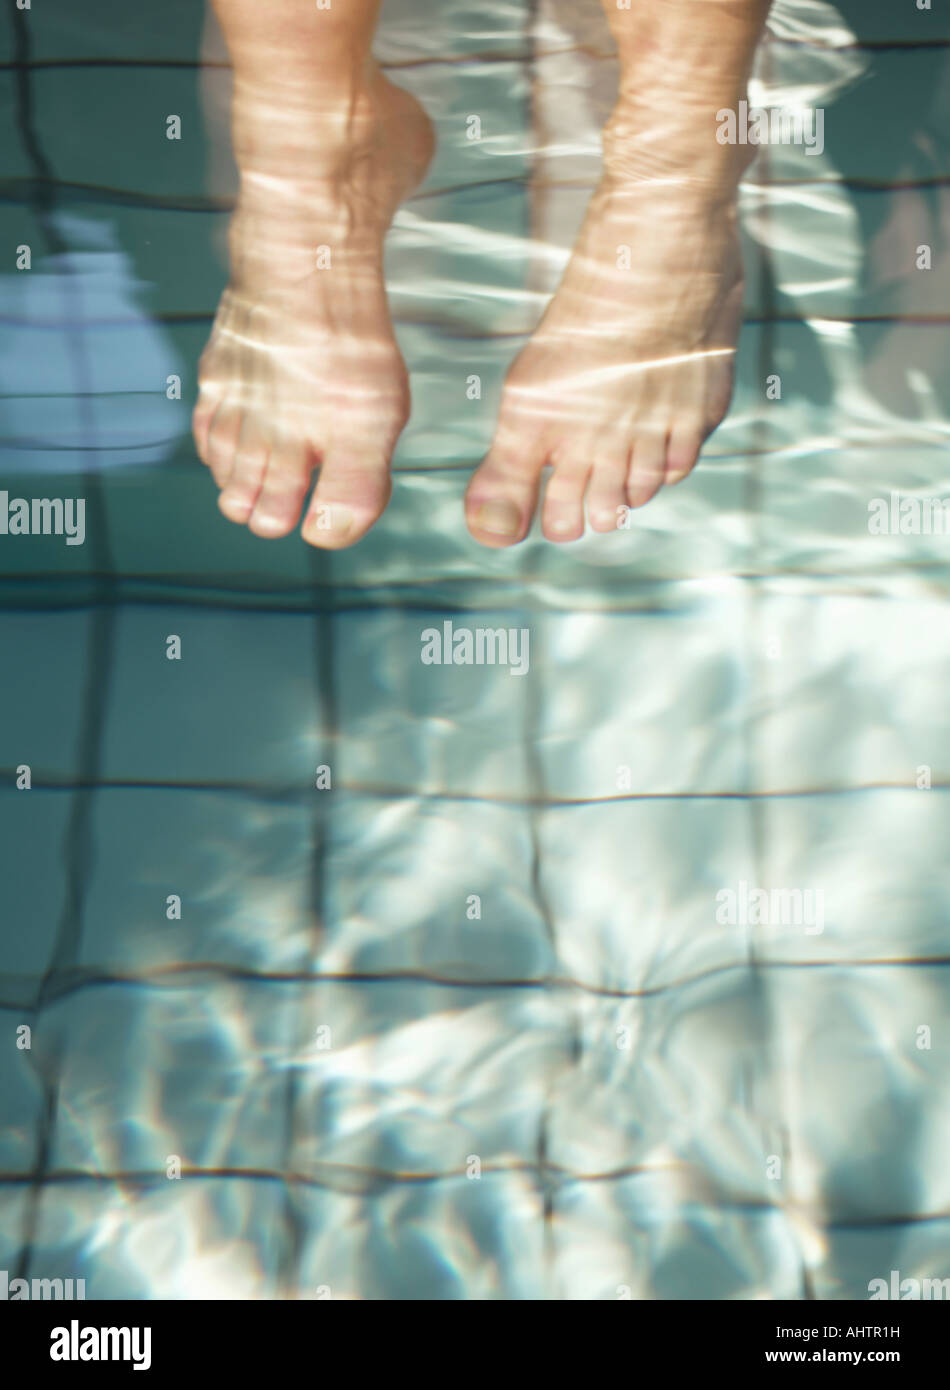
(191, 726)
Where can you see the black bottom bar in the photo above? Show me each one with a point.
(163, 1339)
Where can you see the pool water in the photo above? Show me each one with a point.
(471, 1013)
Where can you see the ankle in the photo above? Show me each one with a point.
(674, 145)
(303, 127)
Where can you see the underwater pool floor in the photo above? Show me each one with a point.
(462, 1015)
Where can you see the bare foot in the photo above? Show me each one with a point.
(302, 368)
(631, 367)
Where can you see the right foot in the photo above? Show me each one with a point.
(629, 371)
(302, 369)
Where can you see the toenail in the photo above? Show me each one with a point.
(235, 508)
(560, 526)
(334, 518)
(673, 478)
(498, 518)
(264, 522)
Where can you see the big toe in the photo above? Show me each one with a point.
(351, 494)
(501, 498)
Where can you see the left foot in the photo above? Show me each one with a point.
(302, 369)
(631, 367)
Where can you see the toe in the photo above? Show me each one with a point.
(351, 493)
(607, 491)
(217, 430)
(231, 433)
(503, 493)
(201, 419)
(283, 490)
(562, 515)
(223, 434)
(647, 467)
(718, 397)
(682, 451)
